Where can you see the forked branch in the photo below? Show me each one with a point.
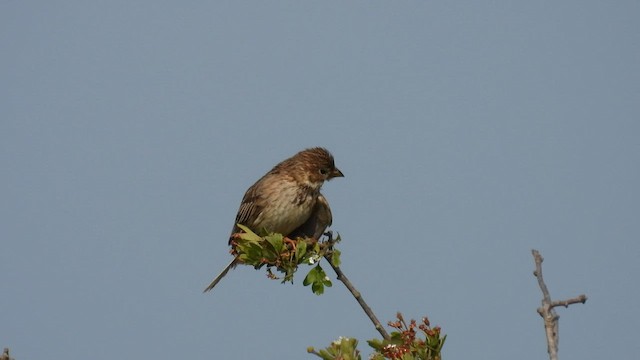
(546, 310)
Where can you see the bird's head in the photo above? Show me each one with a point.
(312, 166)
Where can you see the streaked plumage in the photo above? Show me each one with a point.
(287, 200)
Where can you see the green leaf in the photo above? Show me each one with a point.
(248, 234)
(317, 279)
(347, 346)
(301, 250)
(311, 278)
(322, 277)
(376, 344)
(335, 257)
(325, 355)
(396, 338)
(276, 242)
(317, 288)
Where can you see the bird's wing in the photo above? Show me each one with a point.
(249, 209)
(317, 223)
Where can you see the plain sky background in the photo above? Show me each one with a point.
(468, 132)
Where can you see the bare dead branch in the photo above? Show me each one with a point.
(546, 310)
(5, 355)
(580, 299)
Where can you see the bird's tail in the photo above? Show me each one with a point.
(224, 272)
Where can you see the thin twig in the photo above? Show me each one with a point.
(356, 294)
(547, 311)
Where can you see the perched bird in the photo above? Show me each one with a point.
(287, 200)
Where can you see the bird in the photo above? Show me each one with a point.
(287, 200)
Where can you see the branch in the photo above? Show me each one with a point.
(581, 299)
(5, 355)
(547, 311)
(356, 294)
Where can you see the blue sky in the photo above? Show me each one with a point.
(468, 132)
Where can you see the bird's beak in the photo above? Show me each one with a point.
(336, 173)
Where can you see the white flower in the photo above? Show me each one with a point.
(339, 341)
(314, 259)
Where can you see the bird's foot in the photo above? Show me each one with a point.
(233, 243)
(290, 242)
(235, 236)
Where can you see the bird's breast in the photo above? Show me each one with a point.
(288, 207)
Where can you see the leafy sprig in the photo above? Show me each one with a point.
(275, 252)
(408, 342)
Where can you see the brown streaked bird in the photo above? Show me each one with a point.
(287, 200)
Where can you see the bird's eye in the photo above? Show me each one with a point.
(324, 171)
